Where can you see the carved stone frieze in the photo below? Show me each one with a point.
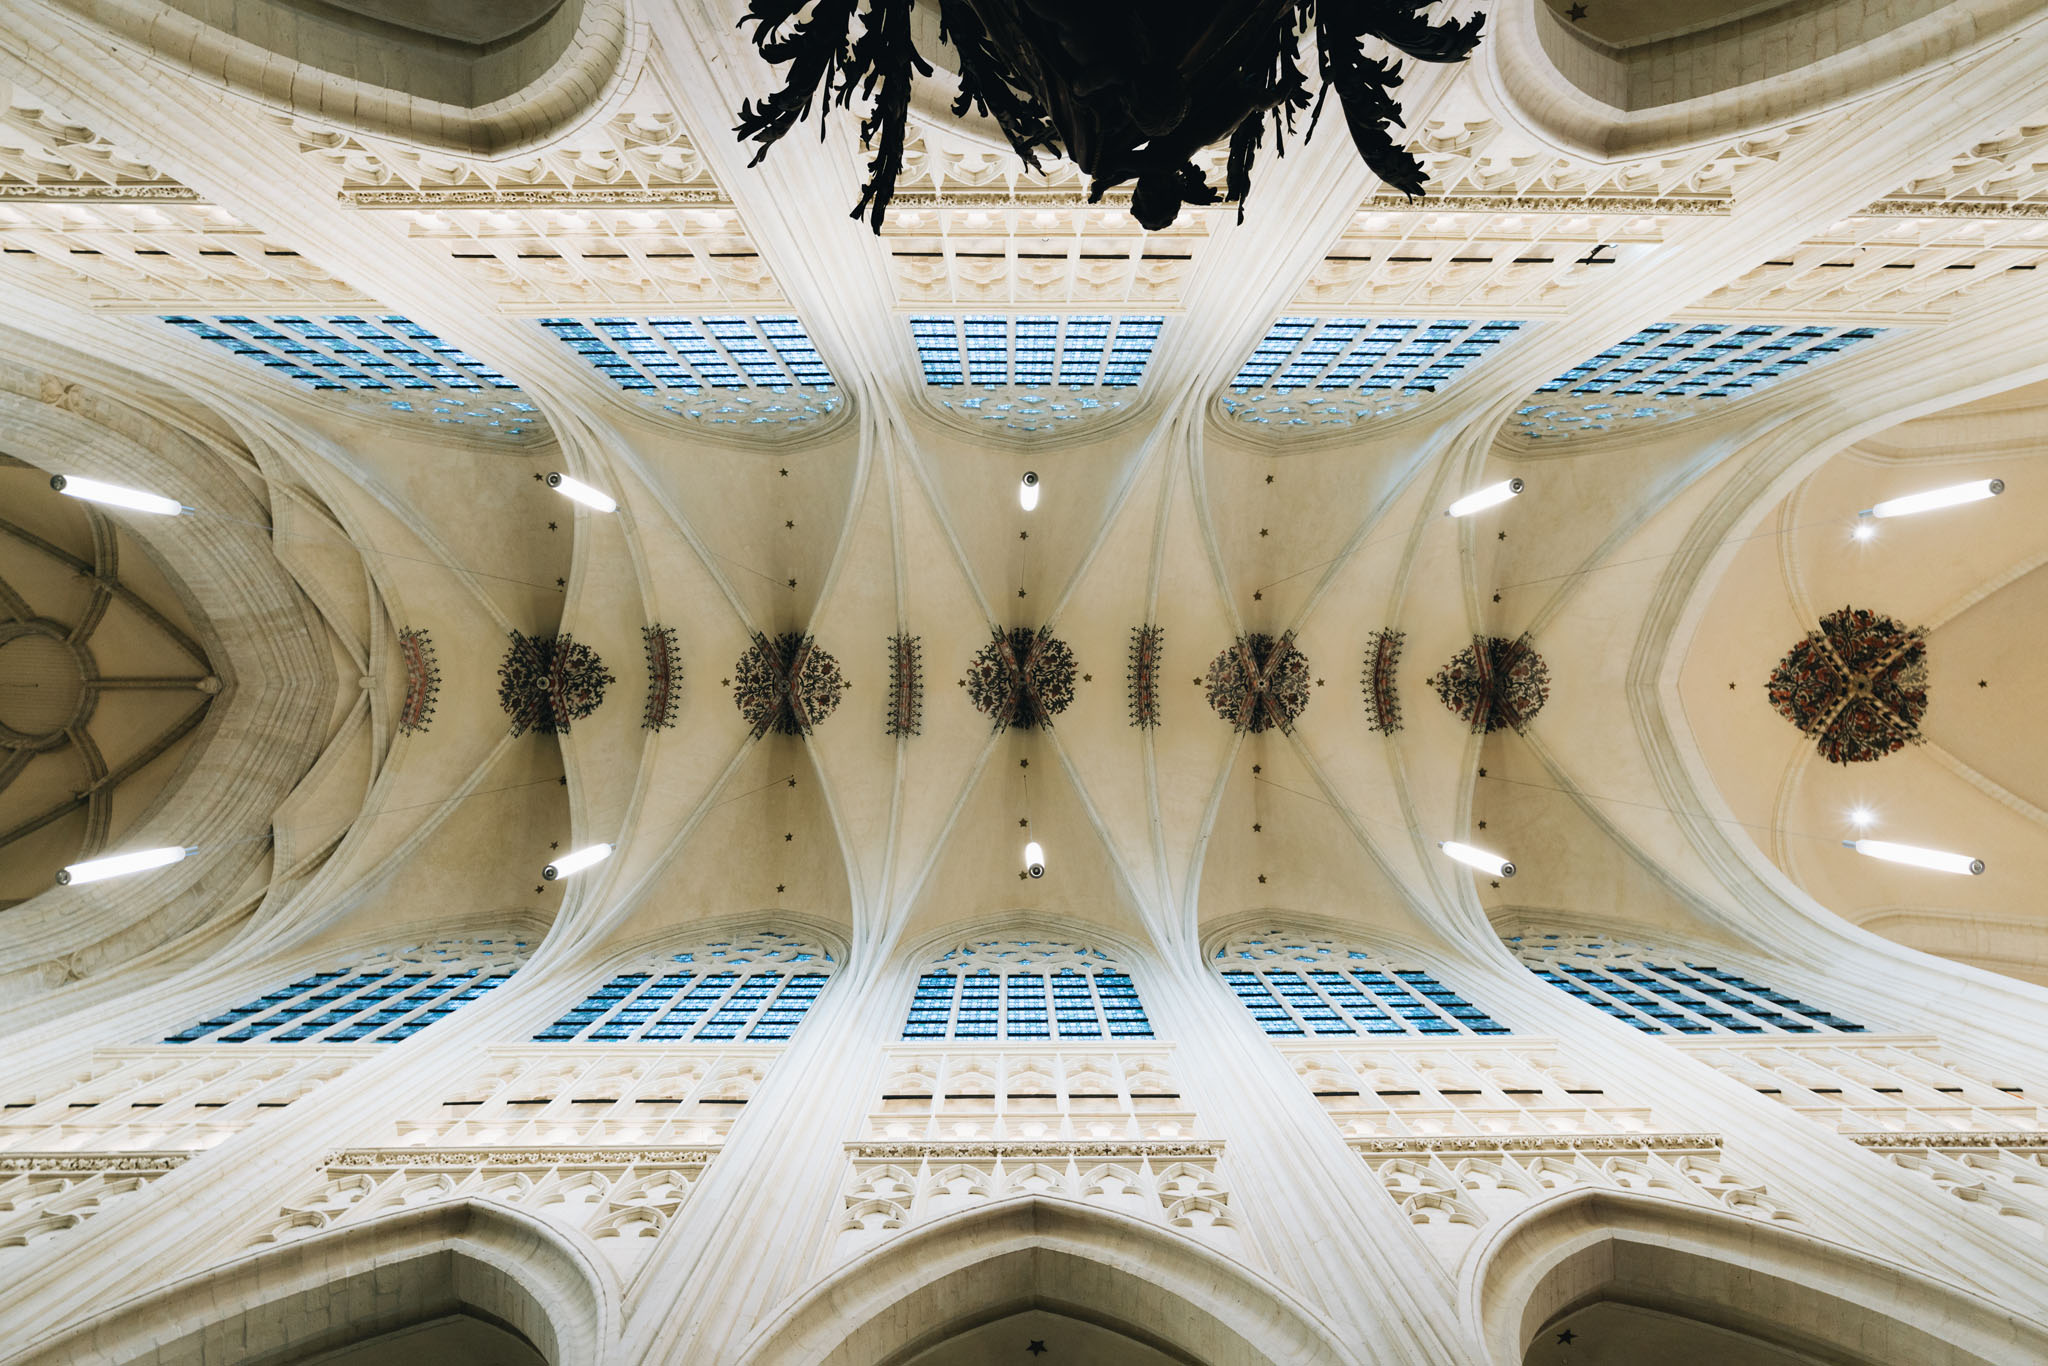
(1158, 1149)
(155, 1163)
(1538, 1143)
(357, 1159)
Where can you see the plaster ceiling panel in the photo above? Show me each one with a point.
(1279, 842)
(760, 834)
(1565, 858)
(975, 488)
(1990, 643)
(480, 858)
(1098, 735)
(1920, 569)
(979, 874)
(935, 769)
(1281, 524)
(1193, 747)
(739, 504)
(855, 751)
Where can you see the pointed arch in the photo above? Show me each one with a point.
(459, 1257)
(1119, 1273)
(1787, 1289)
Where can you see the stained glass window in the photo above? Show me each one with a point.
(1302, 985)
(387, 998)
(1669, 993)
(750, 988)
(1026, 990)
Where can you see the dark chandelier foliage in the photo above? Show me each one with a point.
(1494, 683)
(786, 684)
(1259, 683)
(545, 682)
(1858, 685)
(1021, 678)
(1128, 91)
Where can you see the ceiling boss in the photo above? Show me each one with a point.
(1128, 92)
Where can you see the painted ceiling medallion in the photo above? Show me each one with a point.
(906, 686)
(1259, 683)
(786, 684)
(546, 682)
(1022, 677)
(664, 672)
(1494, 683)
(1858, 685)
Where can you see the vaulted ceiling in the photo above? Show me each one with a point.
(1699, 327)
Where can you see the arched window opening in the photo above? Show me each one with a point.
(1661, 992)
(756, 988)
(390, 996)
(1026, 989)
(1302, 984)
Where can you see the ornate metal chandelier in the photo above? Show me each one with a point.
(1130, 91)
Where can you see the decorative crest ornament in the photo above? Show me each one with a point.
(1858, 685)
(786, 683)
(1259, 683)
(663, 672)
(1382, 703)
(422, 681)
(1146, 643)
(906, 685)
(1494, 683)
(545, 682)
(1021, 678)
(1128, 92)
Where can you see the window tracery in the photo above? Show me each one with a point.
(1338, 371)
(1035, 372)
(1661, 992)
(756, 988)
(1667, 370)
(1026, 989)
(757, 372)
(1309, 984)
(383, 356)
(382, 999)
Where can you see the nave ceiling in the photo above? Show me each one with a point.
(881, 506)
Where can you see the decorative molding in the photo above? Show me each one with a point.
(547, 682)
(787, 684)
(155, 1163)
(357, 1159)
(1382, 703)
(1946, 1139)
(1494, 683)
(422, 681)
(906, 686)
(1146, 643)
(1040, 1148)
(117, 194)
(511, 197)
(664, 671)
(1537, 1143)
(1259, 683)
(1719, 205)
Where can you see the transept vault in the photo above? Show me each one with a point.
(1052, 773)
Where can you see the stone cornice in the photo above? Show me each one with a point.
(1048, 1148)
(155, 1163)
(1537, 1143)
(360, 1159)
(117, 194)
(1989, 1138)
(472, 197)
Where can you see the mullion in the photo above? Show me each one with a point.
(741, 1006)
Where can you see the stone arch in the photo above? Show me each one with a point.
(332, 1290)
(1782, 1288)
(1131, 1277)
